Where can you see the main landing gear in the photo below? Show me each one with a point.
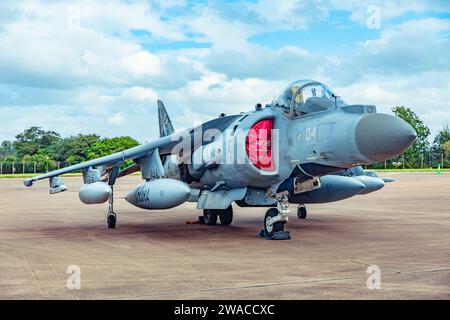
(111, 217)
(210, 216)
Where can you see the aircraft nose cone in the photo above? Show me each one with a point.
(381, 137)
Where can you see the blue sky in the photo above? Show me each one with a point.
(99, 66)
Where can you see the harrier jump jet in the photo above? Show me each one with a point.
(297, 149)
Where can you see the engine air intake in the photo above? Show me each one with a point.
(259, 145)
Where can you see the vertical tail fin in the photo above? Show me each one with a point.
(165, 125)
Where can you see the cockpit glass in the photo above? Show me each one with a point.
(306, 97)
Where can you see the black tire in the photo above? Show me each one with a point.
(301, 212)
(112, 220)
(276, 227)
(226, 216)
(210, 217)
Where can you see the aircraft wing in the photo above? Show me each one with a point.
(165, 146)
(112, 160)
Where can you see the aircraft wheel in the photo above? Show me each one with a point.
(226, 216)
(276, 227)
(301, 212)
(210, 217)
(111, 219)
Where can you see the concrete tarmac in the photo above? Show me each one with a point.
(403, 229)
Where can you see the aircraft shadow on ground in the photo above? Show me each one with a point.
(244, 228)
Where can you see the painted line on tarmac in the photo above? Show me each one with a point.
(275, 284)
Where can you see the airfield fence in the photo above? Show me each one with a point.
(7, 167)
(423, 162)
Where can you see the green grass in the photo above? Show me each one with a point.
(409, 170)
(29, 175)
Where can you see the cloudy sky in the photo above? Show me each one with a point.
(99, 66)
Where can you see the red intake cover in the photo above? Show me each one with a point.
(259, 145)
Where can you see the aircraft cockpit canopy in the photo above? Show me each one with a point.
(305, 97)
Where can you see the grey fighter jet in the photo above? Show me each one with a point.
(298, 149)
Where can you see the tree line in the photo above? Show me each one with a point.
(422, 153)
(37, 145)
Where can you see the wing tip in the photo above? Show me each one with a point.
(28, 182)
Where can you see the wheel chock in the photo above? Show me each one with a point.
(279, 235)
(201, 220)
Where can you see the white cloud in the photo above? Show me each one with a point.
(140, 94)
(116, 118)
(424, 93)
(215, 93)
(224, 34)
(118, 17)
(389, 9)
(142, 64)
(99, 77)
(411, 47)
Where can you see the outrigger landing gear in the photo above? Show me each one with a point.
(210, 216)
(111, 220)
(275, 219)
(111, 217)
(301, 211)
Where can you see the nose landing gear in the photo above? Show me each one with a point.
(270, 224)
(275, 219)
